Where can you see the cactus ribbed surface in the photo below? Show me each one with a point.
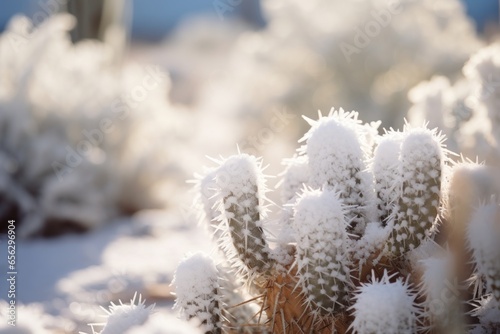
(322, 249)
(386, 173)
(239, 179)
(417, 207)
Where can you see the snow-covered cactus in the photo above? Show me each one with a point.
(322, 249)
(295, 176)
(417, 207)
(386, 173)
(385, 307)
(337, 149)
(197, 288)
(120, 318)
(240, 195)
(125, 316)
(359, 228)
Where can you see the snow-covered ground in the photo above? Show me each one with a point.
(73, 275)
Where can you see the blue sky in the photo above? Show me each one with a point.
(154, 18)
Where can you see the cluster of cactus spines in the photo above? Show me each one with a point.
(385, 170)
(122, 317)
(338, 147)
(198, 292)
(352, 264)
(385, 306)
(322, 249)
(416, 210)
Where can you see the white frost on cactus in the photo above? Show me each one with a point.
(385, 169)
(123, 317)
(338, 147)
(370, 244)
(295, 179)
(488, 312)
(206, 201)
(238, 174)
(295, 176)
(322, 249)
(385, 307)
(197, 291)
(483, 235)
(242, 206)
(419, 189)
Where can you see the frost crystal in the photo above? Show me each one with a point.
(197, 292)
(488, 312)
(322, 249)
(384, 307)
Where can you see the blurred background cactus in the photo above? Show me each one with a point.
(368, 244)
